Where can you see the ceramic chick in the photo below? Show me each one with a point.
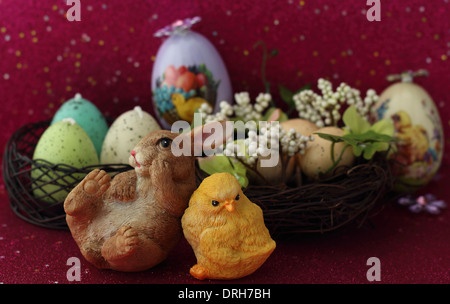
(132, 222)
(225, 229)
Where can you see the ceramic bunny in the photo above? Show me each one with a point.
(132, 222)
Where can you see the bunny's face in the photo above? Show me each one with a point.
(156, 147)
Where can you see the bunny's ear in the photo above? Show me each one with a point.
(202, 140)
(207, 137)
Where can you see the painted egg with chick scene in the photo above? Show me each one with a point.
(418, 151)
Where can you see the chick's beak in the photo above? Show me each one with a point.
(229, 205)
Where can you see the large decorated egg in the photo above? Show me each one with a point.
(418, 152)
(188, 71)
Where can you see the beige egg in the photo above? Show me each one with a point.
(302, 126)
(271, 172)
(317, 158)
(124, 134)
(305, 128)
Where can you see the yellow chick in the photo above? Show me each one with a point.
(186, 108)
(414, 141)
(225, 229)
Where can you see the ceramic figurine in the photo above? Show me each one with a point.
(132, 222)
(226, 230)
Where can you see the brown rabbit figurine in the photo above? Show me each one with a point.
(132, 222)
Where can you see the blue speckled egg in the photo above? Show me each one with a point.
(86, 115)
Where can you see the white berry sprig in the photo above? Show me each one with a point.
(242, 109)
(324, 110)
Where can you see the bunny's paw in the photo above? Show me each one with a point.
(96, 182)
(127, 240)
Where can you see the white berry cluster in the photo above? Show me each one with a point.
(324, 110)
(293, 142)
(243, 108)
(268, 140)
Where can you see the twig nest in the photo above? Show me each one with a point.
(317, 160)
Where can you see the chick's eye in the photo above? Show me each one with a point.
(215, 203)
(237, 198)
(165, 142)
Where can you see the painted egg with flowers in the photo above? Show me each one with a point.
(418, 129)
(188, 71)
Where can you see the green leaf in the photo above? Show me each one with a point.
(330, 137)
(287, 95)
(369, 151)
(354, 121)
(221, 163)
(384, 126)
(368, 137)
(358, 150)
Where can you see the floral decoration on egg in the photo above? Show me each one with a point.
(180, 91)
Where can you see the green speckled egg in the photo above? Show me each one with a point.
(88, 116)
(64, 142)
(124, 134)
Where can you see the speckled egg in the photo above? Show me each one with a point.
(124, 134)
(417, 126)
(88, 116)
(64, 142)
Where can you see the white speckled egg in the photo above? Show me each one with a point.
(418, 128)
(64, 142)
(124, 134)
(88, 116)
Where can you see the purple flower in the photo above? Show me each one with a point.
(427, 202)
(178, 26)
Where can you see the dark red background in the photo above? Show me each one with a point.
(108, 57)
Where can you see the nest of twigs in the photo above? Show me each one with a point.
(350, 196)
(45, 209)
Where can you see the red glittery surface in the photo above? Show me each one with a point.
(108, 56)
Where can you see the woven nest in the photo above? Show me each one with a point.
(350, 196)
(45, 208)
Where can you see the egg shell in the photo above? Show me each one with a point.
(317, 158)
(305, 128)
(418, 126)
(124, 134)
(274, 174)
(88, 116)
(180, 51)
(302, 126)
(64, 142)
